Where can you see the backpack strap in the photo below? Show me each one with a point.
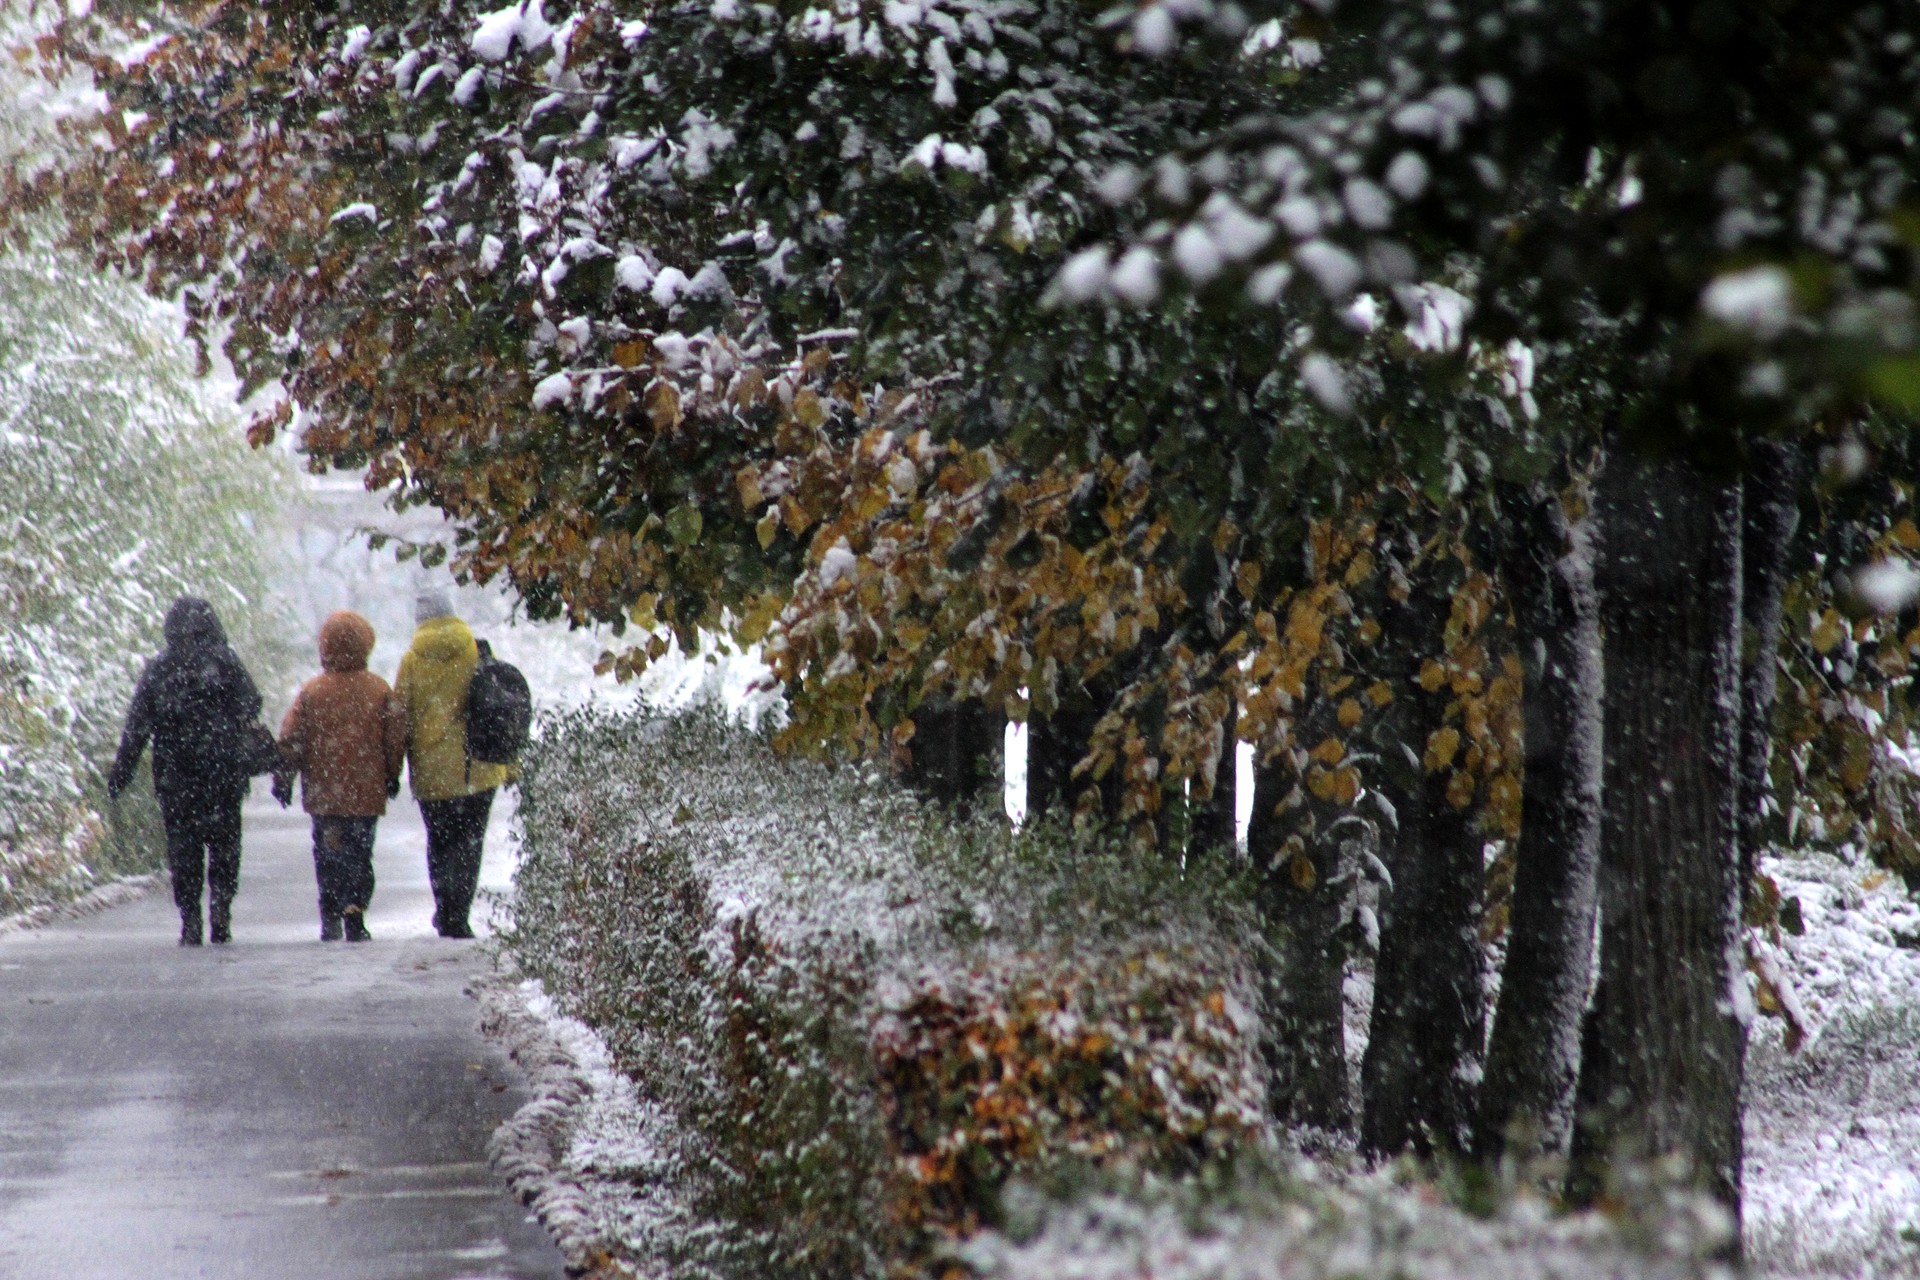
(486, 656)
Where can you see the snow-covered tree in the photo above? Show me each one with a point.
(1142, 371)
(123, 484)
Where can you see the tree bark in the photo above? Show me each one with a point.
(1533, 1054)
(1212, 821)
(1663, 1069)
(1771, 517)
(1055, 744)
(1428, 1026)
(955, 753)
(1306, 1041)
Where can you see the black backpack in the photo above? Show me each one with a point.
(499, 710)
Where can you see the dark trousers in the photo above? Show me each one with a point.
(343, 863)
(456, 830)
(203, 848)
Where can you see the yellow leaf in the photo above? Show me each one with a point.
(751, 389)
(1432, 676)
(1827, 632)
(1906, 534)
(630, 355)
(1330, 751)
(1460, 790)
(748, 480)
(1349, 713)
(808, 408)
(1379, 693)
(1346, 785)
(910, 634)
(871, 502)
(759, 616)
(1300, 869)
(1503, 804)
(1247, 578)
(663, 406)
(1360, 569)
(1856, 761)
(1441, 748)
(765, 530)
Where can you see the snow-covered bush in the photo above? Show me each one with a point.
(122, 485)
(865, 1016)
(868, 1039)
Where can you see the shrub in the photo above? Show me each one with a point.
(870, 1017)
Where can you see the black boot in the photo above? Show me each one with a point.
(220, 923)
(329, 927)
(356, 925)
(190, 927)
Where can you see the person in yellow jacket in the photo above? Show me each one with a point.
(455, 793)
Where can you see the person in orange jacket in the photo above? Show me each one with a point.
(345, 737)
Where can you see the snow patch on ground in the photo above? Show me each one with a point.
(1833, 1131)
(111, 894)
(587, 1153)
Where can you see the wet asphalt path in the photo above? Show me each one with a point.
(275, 1109)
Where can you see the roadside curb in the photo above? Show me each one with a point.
(114, 893)
(553, 1153)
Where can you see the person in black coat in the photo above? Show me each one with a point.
(194, 702)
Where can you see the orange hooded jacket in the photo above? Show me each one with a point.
(346, 734)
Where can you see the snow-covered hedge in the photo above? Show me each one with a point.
(865, 1039)
(862, 1016)
(121, 486)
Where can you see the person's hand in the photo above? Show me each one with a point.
(393, 786)
(283, 789)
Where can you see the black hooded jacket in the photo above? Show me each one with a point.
(192, 701)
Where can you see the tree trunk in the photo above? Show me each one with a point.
(1306, 1042)
(1428, 1027)
(1211, 825)
(1771, 516)
(955, 753)
(1665, 1058)
(1055, 744)
(1533, 1055)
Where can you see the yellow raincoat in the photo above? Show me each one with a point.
(432, 687)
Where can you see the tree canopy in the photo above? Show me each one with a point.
(1166, 374)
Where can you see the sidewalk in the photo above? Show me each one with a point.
(276, 1108)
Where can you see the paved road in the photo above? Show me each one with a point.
(274, 1109)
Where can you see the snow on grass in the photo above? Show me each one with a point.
(1833, 1131)
(1308, 1227)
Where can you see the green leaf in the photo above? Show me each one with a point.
(1897, 381)
(684, 524)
